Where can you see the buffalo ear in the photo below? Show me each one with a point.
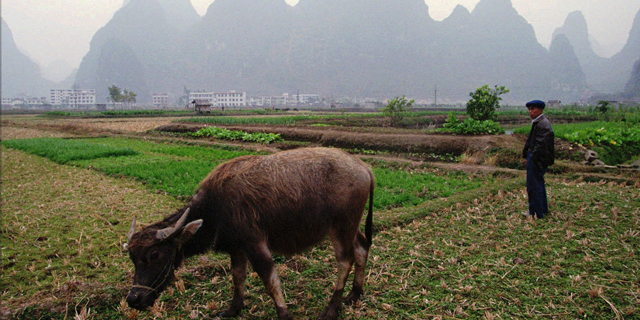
(190, 229)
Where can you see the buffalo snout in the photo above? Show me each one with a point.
(140, 298)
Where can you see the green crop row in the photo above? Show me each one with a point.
(222, 133)
(68, 150)
(177, 169)
(615, 142)
(605, 135)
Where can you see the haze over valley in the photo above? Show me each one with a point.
(336, 48)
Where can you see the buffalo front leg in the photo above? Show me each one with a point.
(239, 273)
(263, 265)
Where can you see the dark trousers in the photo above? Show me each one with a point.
(536, 189)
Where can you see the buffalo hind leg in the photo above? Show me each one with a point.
(239, 273)
(361, 250)
(263, 265)
(344, 257)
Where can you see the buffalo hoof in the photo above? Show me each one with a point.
(230, 313)
(283, 314)
(329, 313)
(353, 297)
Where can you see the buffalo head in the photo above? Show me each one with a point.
(156, 253)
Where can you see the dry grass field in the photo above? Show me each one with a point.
(466, 256)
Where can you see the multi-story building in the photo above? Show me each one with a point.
(160, 100)
(285, 99)
(26, 100)
(269, 101)
(74, 98)
(221, 99)
(305, 98)
(209, 96)
(231, 99)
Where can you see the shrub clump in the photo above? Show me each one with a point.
(470, 126)
(226, 134)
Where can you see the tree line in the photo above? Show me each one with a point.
(124, 96)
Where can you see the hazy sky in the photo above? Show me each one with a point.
(50, 30)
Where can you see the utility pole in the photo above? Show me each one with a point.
(436, 96)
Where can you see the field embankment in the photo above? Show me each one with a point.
(461, 251)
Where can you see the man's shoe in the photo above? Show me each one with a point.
(526, 213)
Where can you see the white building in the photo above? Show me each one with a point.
(306, 98)
(160, 100)
(231, 99)
(286, 99)
(269, 101)
(25, 100)
(73, 98)
(221, 99)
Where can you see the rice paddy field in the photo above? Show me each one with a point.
(449, 242)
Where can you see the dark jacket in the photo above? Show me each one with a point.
(541, 143)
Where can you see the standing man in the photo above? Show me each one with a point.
(539, 152)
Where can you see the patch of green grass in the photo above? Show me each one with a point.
(471, 255)
(561, 130)
(68, 150)
(172, 168)
(413, 186)
(62, 233)
(177, 169)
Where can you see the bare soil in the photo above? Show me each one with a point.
(402, 141)
(477, 153)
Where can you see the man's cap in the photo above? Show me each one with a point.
(535, 104)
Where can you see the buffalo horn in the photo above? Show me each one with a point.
(169, 231)
(132, 230)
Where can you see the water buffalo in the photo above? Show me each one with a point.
(253, 206)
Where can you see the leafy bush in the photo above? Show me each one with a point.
(397, 109)
(470, 126)
(603, 106)
(226, 134)
(484, 102)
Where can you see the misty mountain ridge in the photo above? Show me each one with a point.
(632, 89)
(345, 48)
(20, 75)
(603, 74)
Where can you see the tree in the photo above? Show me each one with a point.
(603, 106)
(115, 94)
(133, 97)
(484, 102)
(129, 97)
(397, 108)
(118, 95)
